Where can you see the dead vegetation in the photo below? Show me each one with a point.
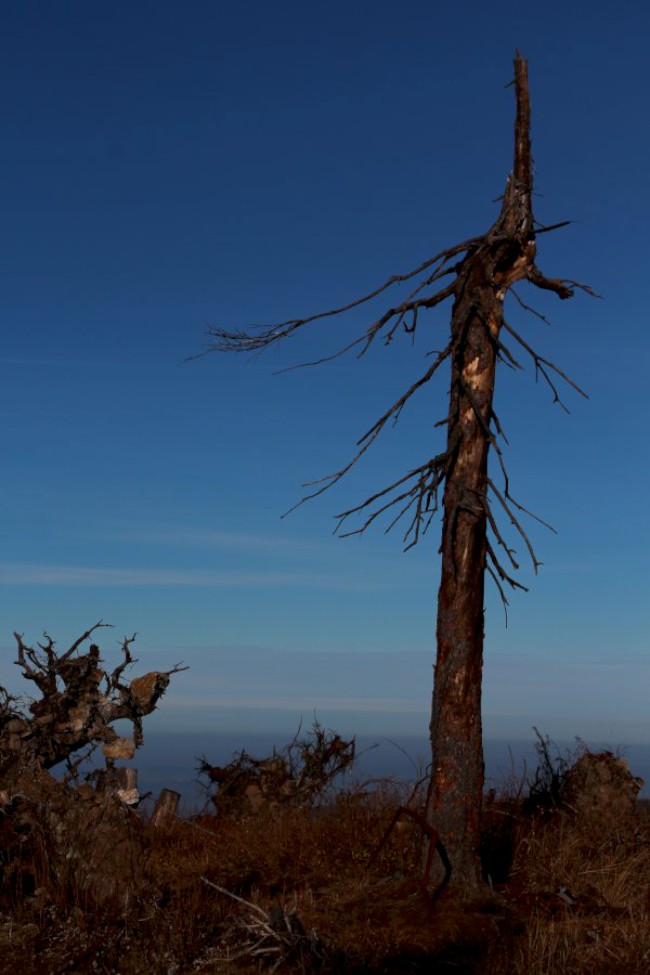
(79, 702)
(314, 886)
(289, 871)
(301, 773)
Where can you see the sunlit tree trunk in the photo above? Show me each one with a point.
(503, 256)
(456, 735)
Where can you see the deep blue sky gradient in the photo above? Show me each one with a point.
(166, 166)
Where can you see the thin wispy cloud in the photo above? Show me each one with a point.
(77, 575)
(304, 703)
(29, 362)
(254, 542)
(209, 539)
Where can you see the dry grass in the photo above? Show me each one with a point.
(288, 890)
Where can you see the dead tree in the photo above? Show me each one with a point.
(479, 273)
(79, 703)
(299, 774)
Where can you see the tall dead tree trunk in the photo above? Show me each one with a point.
(483, 270)
(504, 256)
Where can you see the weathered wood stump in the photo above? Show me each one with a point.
(165, 808)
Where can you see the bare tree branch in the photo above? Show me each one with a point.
(242, 340)
(544, 366)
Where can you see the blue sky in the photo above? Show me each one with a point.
(168, 166)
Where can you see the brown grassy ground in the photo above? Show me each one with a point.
(288, 890)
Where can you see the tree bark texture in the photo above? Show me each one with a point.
(505, 255)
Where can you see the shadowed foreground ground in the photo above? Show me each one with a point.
(90, 886)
